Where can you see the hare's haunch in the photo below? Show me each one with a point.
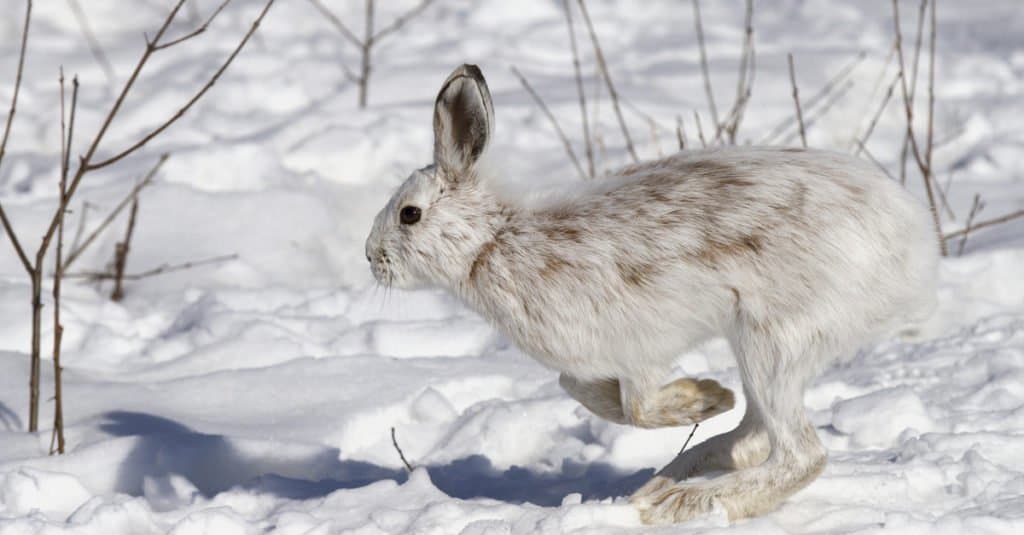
(793, 256)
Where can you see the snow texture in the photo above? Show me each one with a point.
(257, 395)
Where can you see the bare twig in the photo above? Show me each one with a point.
(976, 207)
(913, 88)
(745, 79)
(796, 100)
(80, 231)
(58, 328)
(700, 130)
(874, 119)
(704, 64)
(77, 250)
(90, 38)
(11, 235)
(160, 270)
(587, 145)
(825, 91)
(369, 39)
(394, 442)
(680, 133)
(612, 93)
(121, 250)
(202, 28)
(337, 22)
(152, 47)
(401, 20)
(864, 150)
(816, 114)
(554, 122)
(923, 161)
(982, 224)
(687, 442)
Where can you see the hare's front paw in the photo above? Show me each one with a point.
(681, 402)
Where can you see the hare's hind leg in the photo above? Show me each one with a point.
(746, 446)
(681, 402)
(774, 375)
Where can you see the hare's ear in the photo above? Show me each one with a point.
(463, 122)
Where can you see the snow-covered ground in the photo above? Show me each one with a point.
(257, 395)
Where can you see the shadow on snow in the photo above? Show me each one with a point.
(215, 464)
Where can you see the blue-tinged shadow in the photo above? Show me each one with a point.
(212, 464)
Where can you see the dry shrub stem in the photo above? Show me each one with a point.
(86, 164)
(401, 455)
(554, 122)
(77, 250)
(745, 80)
(796, 100)
(97, 276)
(588, 147)
(369, 39)
(700, 130)
(878, 114)
(976, 207)
(987, 223)
(680, 133)
(704, 63)
(94, 45)
(924, 161)
(612, 93)
(825, 91)
(121, 250)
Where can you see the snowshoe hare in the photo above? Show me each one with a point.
(794, 256)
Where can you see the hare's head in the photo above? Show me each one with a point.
(433, 225)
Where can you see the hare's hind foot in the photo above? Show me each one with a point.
(681, 402)
(742, 494)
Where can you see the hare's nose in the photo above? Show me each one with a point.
(368, 259)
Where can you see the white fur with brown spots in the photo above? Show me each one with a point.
(794, 256)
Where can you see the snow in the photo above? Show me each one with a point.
(257, 395)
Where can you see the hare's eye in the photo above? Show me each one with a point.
(409, 215)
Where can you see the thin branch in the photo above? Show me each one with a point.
(874, 119)
(745, 79)
(401, 20)
(80, 231)
(121, 250)
(76, 251)
(588, 147)
(704, 63)
(923, 162)
(554, 122)
(913, 89)
(825, 91)
(195, 98)
(8, 227)
(864, 150)
(90, 38)
(982, 224)
(700, 130)
(58, 329)
(796, 99)
(160, 270)
(680, 133)
(394, 442)
(338, 24)
(687, 443)
(815, 115)
(202, 28)
(976, 207)
(608, 81)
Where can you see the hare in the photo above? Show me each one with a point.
(794, 256)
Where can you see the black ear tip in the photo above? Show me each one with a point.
(471, 71)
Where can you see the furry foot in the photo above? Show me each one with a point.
(676, 503)
(681, 402)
